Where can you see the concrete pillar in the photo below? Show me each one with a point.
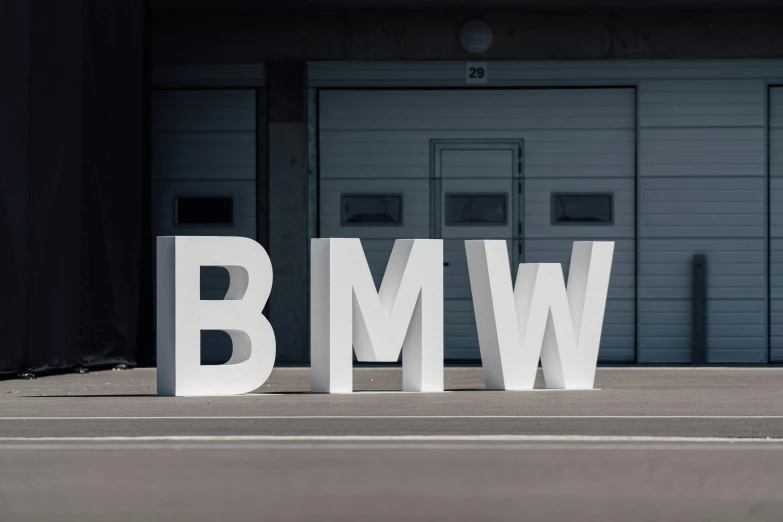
(288, 234)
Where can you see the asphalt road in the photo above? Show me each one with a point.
(651, 444)
(391, 482)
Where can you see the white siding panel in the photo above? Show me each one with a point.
(476, 163)
(204, 155)
(702, 189)
(204, 134)
(702, 207)
(548, 153)
(495, 110)
(708, 152)
(735, 268)
(586, 154)
(776, 222)
(733, 326)
(694, 103)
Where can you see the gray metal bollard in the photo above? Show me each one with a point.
(699, 310)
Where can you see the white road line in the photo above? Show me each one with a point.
(604, 368)
(393, 438)
(404, 417)
(390, 445)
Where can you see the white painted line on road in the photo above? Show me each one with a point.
(602, 368)
(392, 438)
(692, 368)
(391, 445)
(404, 417)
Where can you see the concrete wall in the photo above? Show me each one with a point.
(432, 35)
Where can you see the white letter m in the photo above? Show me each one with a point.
(406, 314)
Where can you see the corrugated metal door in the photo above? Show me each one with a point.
(776, 221)
(204, 177)
(579, 178)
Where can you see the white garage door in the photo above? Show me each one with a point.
(203, 178)
(539, 168)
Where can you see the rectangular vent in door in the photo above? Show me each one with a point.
(476, 209)
(582, 209)
(371, 209)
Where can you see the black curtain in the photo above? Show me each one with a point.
(112, 179)
(72, 195)
(14, 183)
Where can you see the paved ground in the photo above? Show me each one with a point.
(652, 444)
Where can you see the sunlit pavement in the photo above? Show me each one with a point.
(649, 444)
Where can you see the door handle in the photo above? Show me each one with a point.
(446, 264)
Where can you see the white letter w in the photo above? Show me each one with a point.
(539, 318)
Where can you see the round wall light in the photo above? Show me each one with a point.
(475, 36)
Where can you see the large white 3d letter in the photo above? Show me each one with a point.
(406, 314)
(539, 318)
(182, 315)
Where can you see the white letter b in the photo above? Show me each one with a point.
(182, 315)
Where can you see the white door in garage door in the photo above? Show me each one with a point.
(475, 198)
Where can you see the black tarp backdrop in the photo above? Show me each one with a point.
(112, 179)
(55, 183)
(72, 198)
(14, 156)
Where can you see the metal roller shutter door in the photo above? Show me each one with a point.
(482, 145)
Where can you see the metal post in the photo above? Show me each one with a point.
(699, 310)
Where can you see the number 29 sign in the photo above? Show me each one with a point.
(476, 72)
